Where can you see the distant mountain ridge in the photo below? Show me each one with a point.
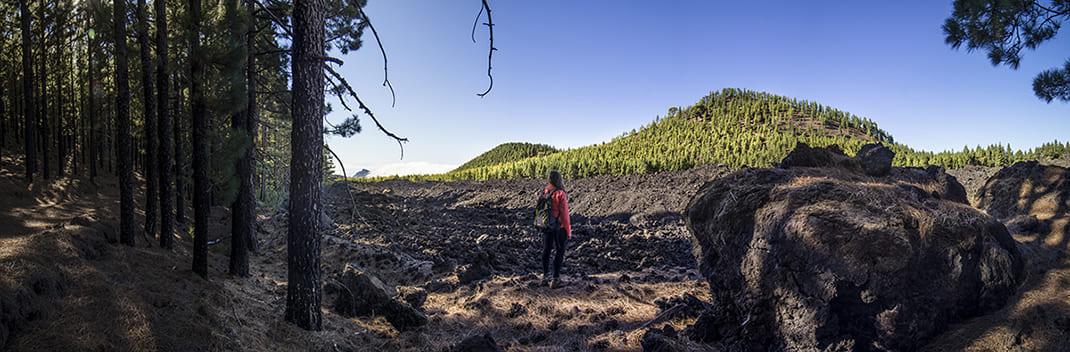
(735, 127)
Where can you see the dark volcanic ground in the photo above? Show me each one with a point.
(618, 223)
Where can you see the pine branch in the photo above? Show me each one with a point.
(365, 108)
(386, 77)
(490, 54)
(285, 27)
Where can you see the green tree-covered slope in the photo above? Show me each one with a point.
(506, 153)
(735, 127)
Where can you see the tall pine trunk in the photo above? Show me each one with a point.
(166, 196)
(151, 167)
(200, 147)
(252, 116)
(122, 107)
(180, 169)
(42, 107)
(27, 92)
(304, 292)
(243, 209)
(94, 138)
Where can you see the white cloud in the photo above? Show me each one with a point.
(410, 168)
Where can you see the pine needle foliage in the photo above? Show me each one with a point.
(506, 153)
(734, 127)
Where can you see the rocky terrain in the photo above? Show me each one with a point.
(462, 255)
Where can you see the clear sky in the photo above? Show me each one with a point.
(575, 73)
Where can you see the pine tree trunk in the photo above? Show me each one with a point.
(200, 148)
(94, 138)
(61, 119)
(180, 169)
(122, 107)
(243, 209)
(164, 133)
(27, 93)
(252, 114)
(42, 116)
(304, 292)
(151, 167)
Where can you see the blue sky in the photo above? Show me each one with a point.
(575, 73)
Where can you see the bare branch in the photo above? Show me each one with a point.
(476, 23)
(332, 59)
(275, 18)
(490, 54)
(352, 200)
(366, 109)
(386, 76)
(272, 52)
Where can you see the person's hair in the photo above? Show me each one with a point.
(555, 180)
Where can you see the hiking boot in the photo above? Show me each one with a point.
(556, 283)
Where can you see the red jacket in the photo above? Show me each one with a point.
(559, 208)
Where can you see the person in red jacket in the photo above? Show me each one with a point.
(556, 238)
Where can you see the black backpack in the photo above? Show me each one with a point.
(544, 218)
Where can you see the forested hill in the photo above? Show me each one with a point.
(735, 127)
(507, 152)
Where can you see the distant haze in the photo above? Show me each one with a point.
(409, 168)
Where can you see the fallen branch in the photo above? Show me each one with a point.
(216, 241)
(662, 315)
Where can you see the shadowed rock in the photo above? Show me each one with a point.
(363, 294)
(829, 259)
(1027, 188)
(479, 269)
(875, 159)
(477, 343)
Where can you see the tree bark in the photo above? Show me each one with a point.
(180, 169)
(42, 104)
(94, 139)
(164, 133)
(243, 209)
(27, 92)
(303, 293)
(151, 167)
(122, 105)
(200, 148)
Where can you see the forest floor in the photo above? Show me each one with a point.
(66, 284)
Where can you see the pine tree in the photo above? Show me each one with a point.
(164, 133)
(303, 293)
(151, 167)
(122, 105)
(201, 201)
(29, 110)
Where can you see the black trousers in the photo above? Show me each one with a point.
(553, 240)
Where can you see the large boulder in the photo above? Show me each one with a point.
(875, 159)
(1027, 188)
(872, 159)
(361, 293)
(832, 259)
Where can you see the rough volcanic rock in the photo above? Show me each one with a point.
(364, 294)
(875, 159)
(480, 268)
(477, 343)
(414, 296)
(872, 159)
(1027, 188)
(827, 258)
(805, 156)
